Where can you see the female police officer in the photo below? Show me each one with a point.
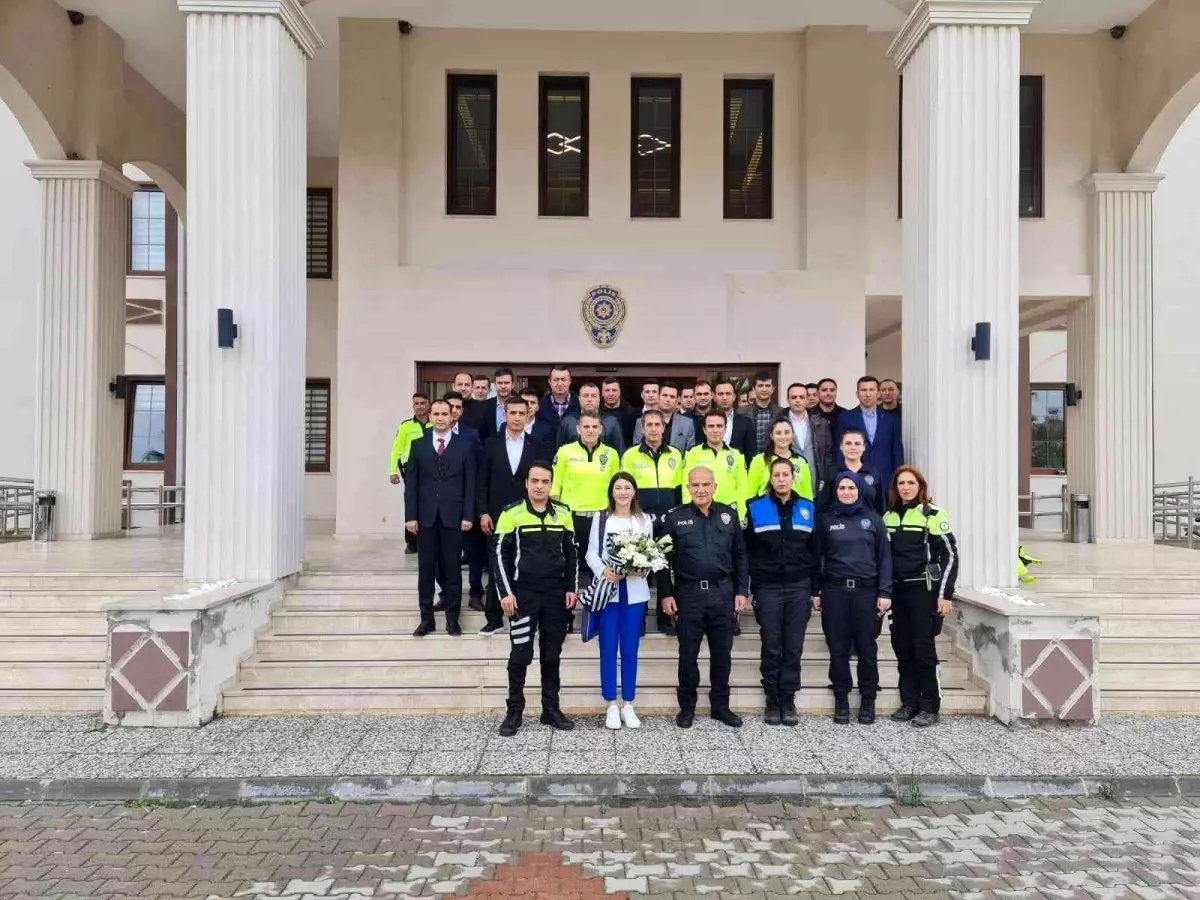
(853, 589)
(925, 565)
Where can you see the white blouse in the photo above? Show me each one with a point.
(637, 588)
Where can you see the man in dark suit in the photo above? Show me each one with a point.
(502, 472)
(560, 401)
(739, 429)
(885, 447)
(457, 424)
(439, 507)
(487, 416)
(543, 433)
(474, 543)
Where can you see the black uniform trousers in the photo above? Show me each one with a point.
(783, 612)
(915, 624)
(704, 613)
(661, 618)
(439, 550)
(848, 618)
(540, 615)
(475, 545)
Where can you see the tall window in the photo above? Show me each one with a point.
(148, 232)
(145, 423)
(471, 145)
(563, 158)
(320, 232)
(1032, 158)
(654, 155)
(317, 397)
(1049, 429)
(748, 136)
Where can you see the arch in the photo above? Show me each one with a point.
(176, 194)
(45, 142)
(1156, 139)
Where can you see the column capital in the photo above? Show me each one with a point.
(289, 13)
(1123, 182)
(81, 170)
(930, 14)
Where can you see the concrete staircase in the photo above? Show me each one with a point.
(341, 643)
(52, 637)
(1149, 636)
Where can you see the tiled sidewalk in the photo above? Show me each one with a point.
(75, 747)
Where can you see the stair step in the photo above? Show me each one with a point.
(57, 600)
(1102, 603)
(52, 648)
(29, 701)
(1153, 650)
(77, 624)
(469, 675)
(58, 675)
(88, 581)
(1141, 700)
(1139, 625)
(390, 580)
(575, 700)
(1153, 676)
(1124, 583)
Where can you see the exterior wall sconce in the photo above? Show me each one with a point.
(227, 330)
(982, 342)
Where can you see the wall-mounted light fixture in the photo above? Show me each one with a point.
(1071, 394)
(227, 330)
(982, 342)
(118, 387)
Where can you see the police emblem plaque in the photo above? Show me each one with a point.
(603, 313)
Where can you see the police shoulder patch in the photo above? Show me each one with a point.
(868, 479)
(945, 526)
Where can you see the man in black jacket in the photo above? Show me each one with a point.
(487, 416)
(779, 540)
(502, 472)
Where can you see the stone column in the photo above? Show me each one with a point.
(961, 65)
(247, 161)
(79, 424)
(1110, 439)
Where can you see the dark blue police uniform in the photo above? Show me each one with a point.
(854, 571)
(708, 568)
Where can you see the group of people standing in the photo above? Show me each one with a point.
(804, 507)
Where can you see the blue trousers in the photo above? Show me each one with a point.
(620, 628)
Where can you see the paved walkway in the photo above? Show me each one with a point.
(80, 747)
(1011, 849)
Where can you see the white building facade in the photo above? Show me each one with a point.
(825, 191)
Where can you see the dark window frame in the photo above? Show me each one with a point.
(675, 86)
(455, 80)
(132, 383)
(767, 163)
(1037, 132)
(564, 82)
(1061, 387)
(317, 274)
(129, 267)
(323, 466)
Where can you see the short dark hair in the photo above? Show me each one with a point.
(764, 375)
(590, 415)
(420, 395)
(657, 413)
(867, 379)
(445, 403)
(452, 395)
(889, 381)
(514, 400)
(481, 378)
(668, 384)
(823, 380)
(812, 386)
(702, 381)
(543, 464)
(612, 379)
(795, 384)
(711, 413)
(649, 381)
(862, 434)
(590, 384)
(500, 373)
(559, 367)
(780, 461)
(721, 381)
(530, 394)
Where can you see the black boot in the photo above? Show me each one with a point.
(904, 713)
(511, 723)
(841, 709)
(866, 712)
(727, 716)
(553, 716)
(787, 710)
(772, 715)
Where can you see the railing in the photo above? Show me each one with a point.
(166, 501)
(1030, 508)
(16, 507)
(1177, 512)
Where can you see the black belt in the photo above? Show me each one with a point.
(861, 584)
(705, 584)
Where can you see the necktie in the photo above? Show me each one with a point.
(441, 446)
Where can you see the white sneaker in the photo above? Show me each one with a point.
(629, 717)
(613, 719)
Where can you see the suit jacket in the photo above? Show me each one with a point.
(497, 486)
(548, 414)
(468, 432)
(818, 450)
(613, 433)
(681, 432)
(885, 454)
(741, 438)
(545, 439)
(440, 490)
(482, 417)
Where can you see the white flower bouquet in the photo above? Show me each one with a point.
(639, 554)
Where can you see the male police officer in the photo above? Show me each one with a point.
(409, 431)
(711, 580)
(536, 569)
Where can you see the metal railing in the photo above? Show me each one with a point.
(1031, 507)
(16, 507)
(165, 501)
(1177, 512)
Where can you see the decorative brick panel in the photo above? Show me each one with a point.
(148, 670)
(1058, 679)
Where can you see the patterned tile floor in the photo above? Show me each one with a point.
(81, 747)
(1016, 849)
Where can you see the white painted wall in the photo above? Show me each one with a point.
(19, 202)
(1048, 357)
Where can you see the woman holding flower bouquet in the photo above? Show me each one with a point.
(621, 537)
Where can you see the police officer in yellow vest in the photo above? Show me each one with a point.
(779, 446)
(582, 471)
(727, 464)
(409, 431)
(657, 470)
(925, 566)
